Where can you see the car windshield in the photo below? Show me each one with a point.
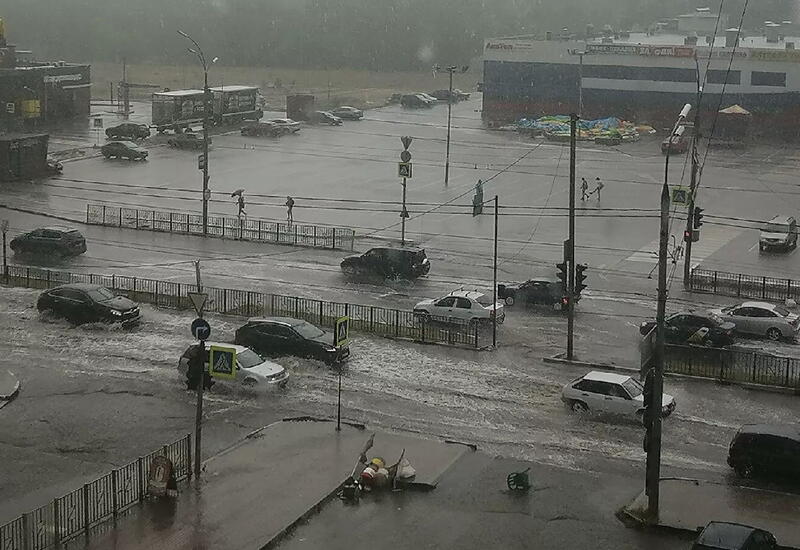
(100, 294)
(307, 330)
(248, 359)
(633, 387)
(780, 310)
(484, 300)
(776, 228)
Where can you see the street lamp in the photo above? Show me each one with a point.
(653, 411)
(450, 70)
(580, 54)
(206, 109)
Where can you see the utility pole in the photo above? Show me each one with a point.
(653, 412)
(450, 70)
(494, 269)
(206, 110)
(687, 258)
(198, 418)
(405, 158)
(4, 229)
(570, 249)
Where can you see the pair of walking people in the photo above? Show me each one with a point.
(585, 193)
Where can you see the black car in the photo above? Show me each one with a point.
(263, 128)
(415, 101)
(287, 336)
(50, 241)
(351, 113)
(387, 262)
(85, 303)
(721, 535)
(682, 326)
(124, 150)
(549, 292)
(766, 449)
(128, 130)
(187, 140)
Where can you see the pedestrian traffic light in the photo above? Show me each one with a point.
(697, 217)
(562, 272)
(580, 276)
(687, 235)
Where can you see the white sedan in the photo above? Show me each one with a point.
(288, 125)
(610, 393)
(461, 306)
(252, 370)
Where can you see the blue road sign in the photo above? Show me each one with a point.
(201, 329)
(223, 362)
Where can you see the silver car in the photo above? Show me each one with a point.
(761, 319)
(611, 393)
(252, 370)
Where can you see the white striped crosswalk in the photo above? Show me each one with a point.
(712, 238)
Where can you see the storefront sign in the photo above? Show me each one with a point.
(56, 78)
(638, 49)
(775, 55)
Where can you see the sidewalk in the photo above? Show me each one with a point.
(688, 505)
(254, 493)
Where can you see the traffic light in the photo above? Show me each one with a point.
(562, 272)
(580, 276)
(697, 217)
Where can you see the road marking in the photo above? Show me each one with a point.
(711, 239)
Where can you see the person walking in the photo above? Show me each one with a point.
(241, 206)
(598, 188)
(584, 189)
(289, 206)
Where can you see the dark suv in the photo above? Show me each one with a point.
(771, 450)
(128, 130)
(388, 262)
(682, 328)
(288, 336)
(50, 241)
(85, 303)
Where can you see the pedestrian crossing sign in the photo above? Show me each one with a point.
(342, 332)
(222, 362)
(680, 195)
(404, 169)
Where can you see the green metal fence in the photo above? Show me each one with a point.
(243, 229)
(92, 504)
(393, 323)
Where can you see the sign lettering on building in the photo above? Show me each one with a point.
(56, 78)
(775, 55)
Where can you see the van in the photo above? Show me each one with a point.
(769, 450)
(778, 233)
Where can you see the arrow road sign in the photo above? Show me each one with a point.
(223, 362)
(405, 156)
(404, 169)
(342, 332)
(198, 301)
(201, 329)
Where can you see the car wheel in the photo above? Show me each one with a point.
(774, 334)
(422, 317)
(579, 407)
(249, 383)
(744, 470)
(509, 300)
(348, 270)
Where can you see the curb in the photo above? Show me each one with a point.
(44, 214)
(9, 394)
(559, 360)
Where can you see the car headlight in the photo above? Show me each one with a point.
(115, 312)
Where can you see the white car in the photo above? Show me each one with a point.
(761, 319)
(610, 393)
(252, 370)
(460, 306)
(289, 126)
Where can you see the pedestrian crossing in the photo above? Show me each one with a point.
(712, 238)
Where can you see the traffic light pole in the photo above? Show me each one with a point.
(570, 248)
(198, 418)
(687, 258)
(494, 270)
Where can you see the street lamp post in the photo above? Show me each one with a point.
(653, 411)
(206, 109)
(450, 70)
(580, 54)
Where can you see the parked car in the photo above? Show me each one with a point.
(682, 327)
(187, 140)
(780, 233)
(549, 292)
(428, 97)
(766, 449)
(388, 262)
(252, 370)
(128, 130)
(415, 101)
(721, 535)
(761, 319)
(351, 113)
(445, 95)
(289, 125)
(50, 241)
(461, 95)
(610, 393)
(677, 143)
(124, 150)
(462, 306)
(287, 336)
(325, 117)
(264, 128)
(84, 303)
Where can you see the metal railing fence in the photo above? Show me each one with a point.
(744, 286)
